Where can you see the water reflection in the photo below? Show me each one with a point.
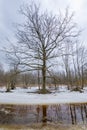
(65, 114)
(44, 118)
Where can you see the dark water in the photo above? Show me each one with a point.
(64, 114)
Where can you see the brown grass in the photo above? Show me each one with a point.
(41, 127)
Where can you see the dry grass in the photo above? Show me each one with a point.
(41, 127)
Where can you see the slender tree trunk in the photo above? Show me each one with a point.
(38, 73)
(82, 79)
(38, 80)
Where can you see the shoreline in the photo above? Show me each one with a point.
(44, 127)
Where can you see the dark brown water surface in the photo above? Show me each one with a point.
(64, 114)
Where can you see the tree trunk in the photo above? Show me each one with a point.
(44, 72)
(44, 78)
(38, 80)
(82, 79)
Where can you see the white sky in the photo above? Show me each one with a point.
(9, 15)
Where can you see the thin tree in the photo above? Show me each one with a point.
(67, 62)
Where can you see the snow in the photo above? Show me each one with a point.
(22, 96)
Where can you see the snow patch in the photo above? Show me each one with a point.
(22, 97)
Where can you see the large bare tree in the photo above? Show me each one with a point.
(40, 39)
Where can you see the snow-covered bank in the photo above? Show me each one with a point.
(22, 97)
(15, 98)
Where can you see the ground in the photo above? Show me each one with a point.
(49, 127)
(23, 96)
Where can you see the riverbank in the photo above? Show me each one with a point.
(41, 127)
(29, 96)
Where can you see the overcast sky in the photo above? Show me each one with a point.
(9, 15)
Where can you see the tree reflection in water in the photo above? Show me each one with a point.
(58, 113)
(44, 109)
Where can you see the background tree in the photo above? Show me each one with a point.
(81, 58)
(66, 57)
(2, 74)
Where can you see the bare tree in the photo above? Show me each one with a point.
(79, 60)
(67, 62)
(2, 73)
(40, 39)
